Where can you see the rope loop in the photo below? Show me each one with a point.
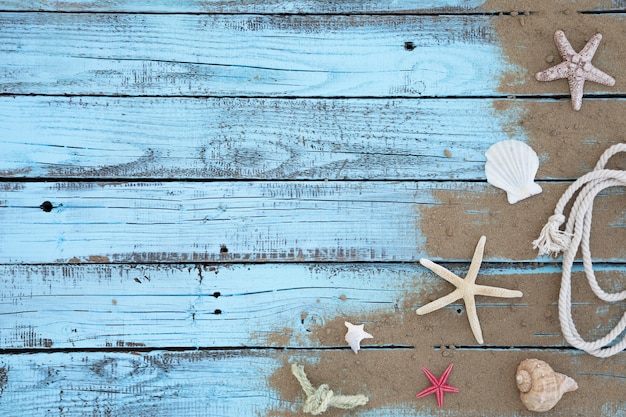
(577, 231)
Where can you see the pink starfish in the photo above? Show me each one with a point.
(576, 67)
(438, 386)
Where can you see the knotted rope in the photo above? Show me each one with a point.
(552, 240)
(318, 400)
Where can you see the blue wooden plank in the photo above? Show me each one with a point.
(99, 137)
(295, 306)
(322, 221)
(249, 55)
(190, 384)
(226, 138)
(242, 383)
(265, 55)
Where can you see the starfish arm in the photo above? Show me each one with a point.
(427, 391)
(600, 77)
(442, 272)
(444, 377)
(449, 388)
(439, 394)
(496, 292)
(432, 378)
(563, 45)
(556, 72)
(576, 86)
(590, 48)
(435, 389)
(472, 316)
(477, 259)
(439, 303)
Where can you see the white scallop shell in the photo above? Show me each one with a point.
(512, 166)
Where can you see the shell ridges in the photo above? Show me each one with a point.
(523, 380)
(512, 166)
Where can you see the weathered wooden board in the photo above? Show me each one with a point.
(321, 221)
(225, 55)
(274, 139)
(277, 139)
(277, 6)
(191, 306)
(226, 138)
(252, 55)
(237, 383)
(244, 138)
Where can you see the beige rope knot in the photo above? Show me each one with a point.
(318, 400)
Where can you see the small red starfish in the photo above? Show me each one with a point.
(438, 386)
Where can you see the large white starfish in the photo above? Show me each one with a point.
(466, 289)
(576, 67)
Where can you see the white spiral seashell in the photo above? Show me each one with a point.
(512, 166)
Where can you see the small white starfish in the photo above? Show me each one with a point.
(576, 67)
(466, 289)
(355, 335)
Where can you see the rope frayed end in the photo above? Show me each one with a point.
(552, 240)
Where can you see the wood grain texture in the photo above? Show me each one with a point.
(320, 221)
(228, 383)
(295, 306)
(276, 6)
(248, 55)
(277, 139)
(226, 138)
(262, 55)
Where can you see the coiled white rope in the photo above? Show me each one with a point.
(552, 240)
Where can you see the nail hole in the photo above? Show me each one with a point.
(216, 294)
(458, 310)
(223, 249)
(409, 46)
(217, 311)
(46, 206)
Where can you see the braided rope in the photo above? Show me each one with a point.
(318, 400)
(552, 240)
